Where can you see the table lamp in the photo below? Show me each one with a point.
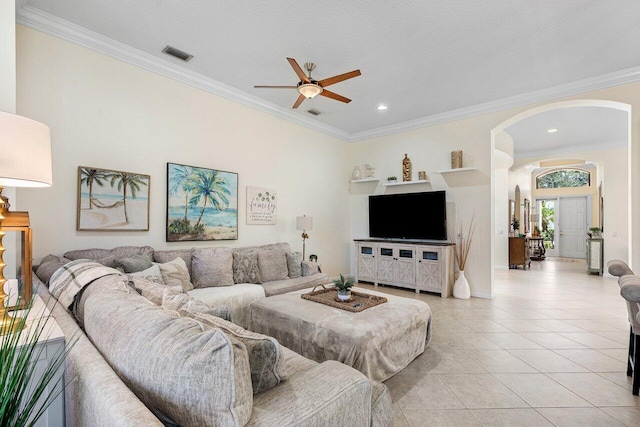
(25, 161)
(304, 223)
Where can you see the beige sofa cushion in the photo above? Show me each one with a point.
(265, 355)
(175, 274)
(273, 265)
(184, 374)
(212, 267)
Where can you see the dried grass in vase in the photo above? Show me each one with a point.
(463, 244)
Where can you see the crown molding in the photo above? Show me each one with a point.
(44, 22)
(49, 24)
(569, 150)
(603, 81)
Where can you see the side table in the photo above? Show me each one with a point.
(52, 339)
(538, 250)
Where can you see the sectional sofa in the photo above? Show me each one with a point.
(152, 354)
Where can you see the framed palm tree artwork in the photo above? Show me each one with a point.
(111, 200)
(202, 204)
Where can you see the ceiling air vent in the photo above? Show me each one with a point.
(314, 112)
(177, 53)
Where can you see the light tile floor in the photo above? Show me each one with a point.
(549, 349)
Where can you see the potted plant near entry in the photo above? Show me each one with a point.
(344, 287)
(515, 224)
(595, 231)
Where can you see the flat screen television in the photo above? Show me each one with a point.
(415, 216)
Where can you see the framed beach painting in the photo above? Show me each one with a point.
(111, 200)
(202, 204)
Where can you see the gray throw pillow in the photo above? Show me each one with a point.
(48, 266)
(212, 267)
(132, 264)
(309, 268)
(166, 256)
(266, 360)
(294, 264)
(273, 265)
(245, 267)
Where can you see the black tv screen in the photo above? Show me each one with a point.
(417, 216)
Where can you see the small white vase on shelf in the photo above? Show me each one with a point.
(461, 288)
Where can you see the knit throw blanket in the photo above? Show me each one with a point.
(72, 277)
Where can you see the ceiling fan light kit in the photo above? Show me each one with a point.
(309, 88)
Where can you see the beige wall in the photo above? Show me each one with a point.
(108, 114)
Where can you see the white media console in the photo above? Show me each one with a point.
(416, 265)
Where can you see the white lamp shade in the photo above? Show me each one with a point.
(304, 223)
(25, 152)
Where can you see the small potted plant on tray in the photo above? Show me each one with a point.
(344, 287)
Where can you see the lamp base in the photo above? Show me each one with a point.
(10, 325)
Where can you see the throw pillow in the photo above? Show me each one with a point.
(273, 265)
(151, 274)
(48, 266)
(309, 268)
(189, 306)
(152, 291)
(294, 264)
(132, 264)
(212, 267)
(266, 360)
(166, 256)
(245, 267)
(175, 274)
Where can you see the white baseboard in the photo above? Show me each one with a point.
(481, 295)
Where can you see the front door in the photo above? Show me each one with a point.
(572, 227)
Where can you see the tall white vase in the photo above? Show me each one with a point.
(461, 288)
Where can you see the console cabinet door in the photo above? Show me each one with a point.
(366, 262)
(429, 273)
(386, 263)
(405, 266)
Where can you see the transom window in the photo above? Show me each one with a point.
(564, 178)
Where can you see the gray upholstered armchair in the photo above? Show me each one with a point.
(630, 291)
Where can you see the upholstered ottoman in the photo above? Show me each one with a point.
(379, 341)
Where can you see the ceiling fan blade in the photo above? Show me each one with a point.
(276, 87)
(339, 78)
(335, 96)
(299, 101)
(298, 70)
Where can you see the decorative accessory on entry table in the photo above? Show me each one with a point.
(304, 223)
(461, 288)
(406, 168)
(359, 300)
(26, 162)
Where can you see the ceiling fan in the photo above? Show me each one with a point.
(310, 88)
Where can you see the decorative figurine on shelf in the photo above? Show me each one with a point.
(356, 175)
(406, 168)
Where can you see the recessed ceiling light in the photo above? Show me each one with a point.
(382, 107)
(552, 130)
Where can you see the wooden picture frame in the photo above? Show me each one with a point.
(202, 204)
(111, 200)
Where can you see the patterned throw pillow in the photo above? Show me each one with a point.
(175, 274)
(245, 267)
(294, 261)
(212, 267)
(151, 274)
(266, 360)
(273, 265)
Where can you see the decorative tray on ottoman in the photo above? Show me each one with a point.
(358, 302)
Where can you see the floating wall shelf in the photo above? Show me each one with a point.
(457, 170)
(356, 181)
(391, 184)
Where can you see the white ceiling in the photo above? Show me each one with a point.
(429, 61)
(579, 129)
